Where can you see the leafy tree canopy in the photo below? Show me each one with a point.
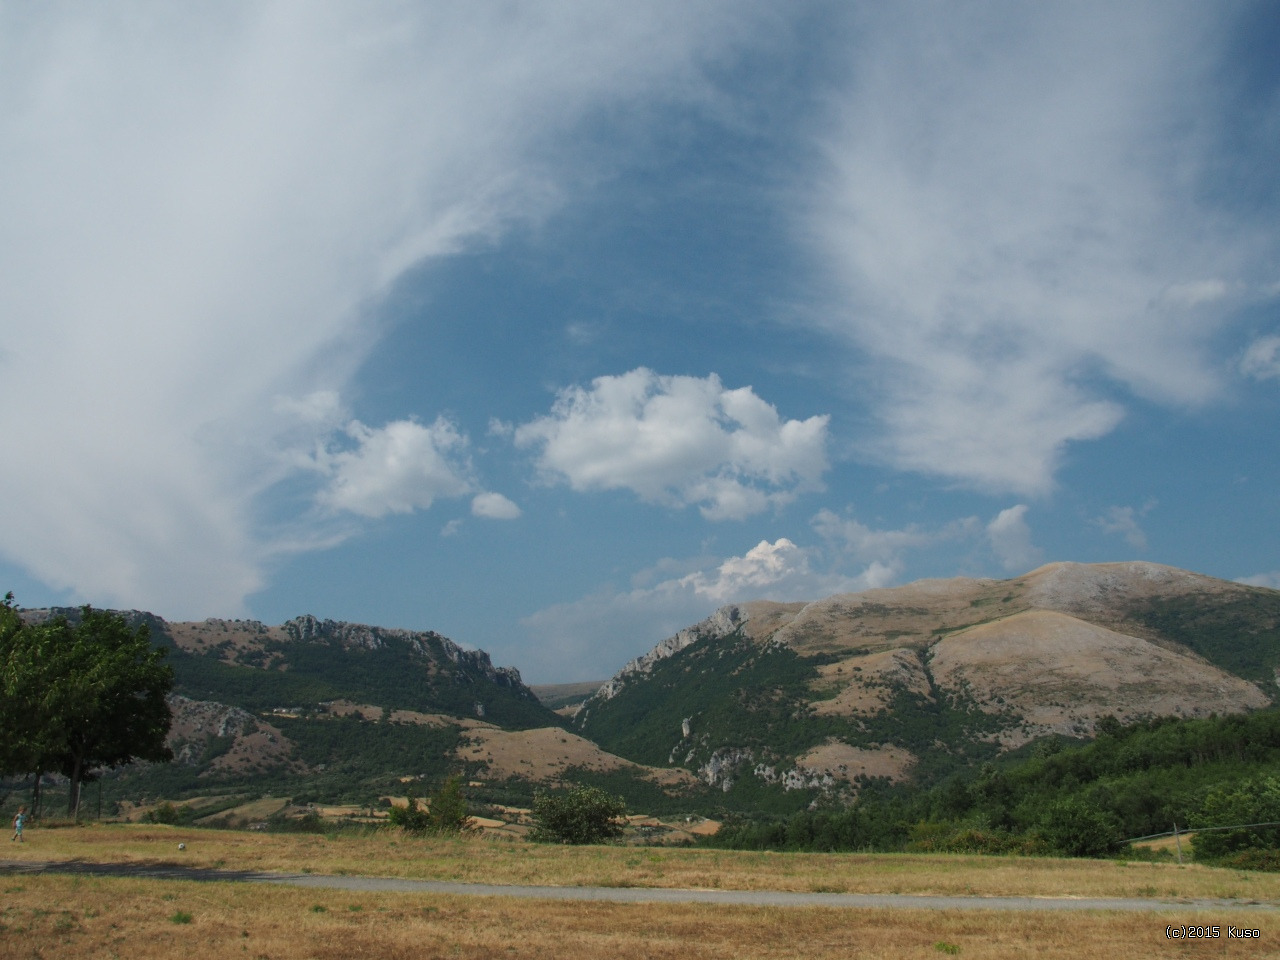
(81, 695)
(579, 815)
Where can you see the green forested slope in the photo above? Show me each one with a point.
(1130, 782)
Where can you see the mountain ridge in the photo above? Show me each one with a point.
(880, 679)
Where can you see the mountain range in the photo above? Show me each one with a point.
(762, 706)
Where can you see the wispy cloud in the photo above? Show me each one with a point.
(1010, 537)
(1016, 216)
(1124, 521)
(202, 207)
(885, 550)
(1271, 580)
(679, 441)
(1262, 360)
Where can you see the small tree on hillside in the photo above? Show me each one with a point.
(580, 815)
(445, 811)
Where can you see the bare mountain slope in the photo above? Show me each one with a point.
(939, 668)
(1060, 674)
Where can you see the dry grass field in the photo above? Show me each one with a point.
(492, 860)
(57, 916)
(91, 918)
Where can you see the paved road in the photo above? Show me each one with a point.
(755, 898)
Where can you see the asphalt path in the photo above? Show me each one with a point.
(753, 898)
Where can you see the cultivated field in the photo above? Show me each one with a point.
(60, 916)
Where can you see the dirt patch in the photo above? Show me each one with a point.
(544, 754)
(843, 762)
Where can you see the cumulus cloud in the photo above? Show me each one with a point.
(1010, 537)
(1262, 360)
(680, 441)
(596, 634)
(494, 506)
(778, 571)
(1013, 215)
(202, 207)
(398, 468)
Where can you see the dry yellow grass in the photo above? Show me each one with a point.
(87, 918)
(494, 860)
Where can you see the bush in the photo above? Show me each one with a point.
(1078, 829)
(1265, 860)
(447, 809)
(580, 815)
(932, 837)
(444, 812)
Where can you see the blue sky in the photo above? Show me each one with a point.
(553, 327)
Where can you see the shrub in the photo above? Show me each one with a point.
(444, 812)
(411, 818)
(447, 810)
(1078, 829)
(1265, 860)
(580, 815)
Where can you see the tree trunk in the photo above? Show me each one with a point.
(73, 799)
(35, 796)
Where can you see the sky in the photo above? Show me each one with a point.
(555, 326)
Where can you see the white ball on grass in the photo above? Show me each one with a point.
(182, 846)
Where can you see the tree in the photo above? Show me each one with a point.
(81, 696)
(1252, 801)
(28, 675)
(580, 815)
(445, 810)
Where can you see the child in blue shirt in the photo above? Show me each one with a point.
(19, 819)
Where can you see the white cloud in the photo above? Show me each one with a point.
(399, 468)
(680, 441)
(1262, 360)
(885, 547)
(778, 571)
(1271, 580)
(1195, 293)
(1124, 521)
(1014, 216)
(201, 207)
(1010, 537)
(597, 634)
(494, 506)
